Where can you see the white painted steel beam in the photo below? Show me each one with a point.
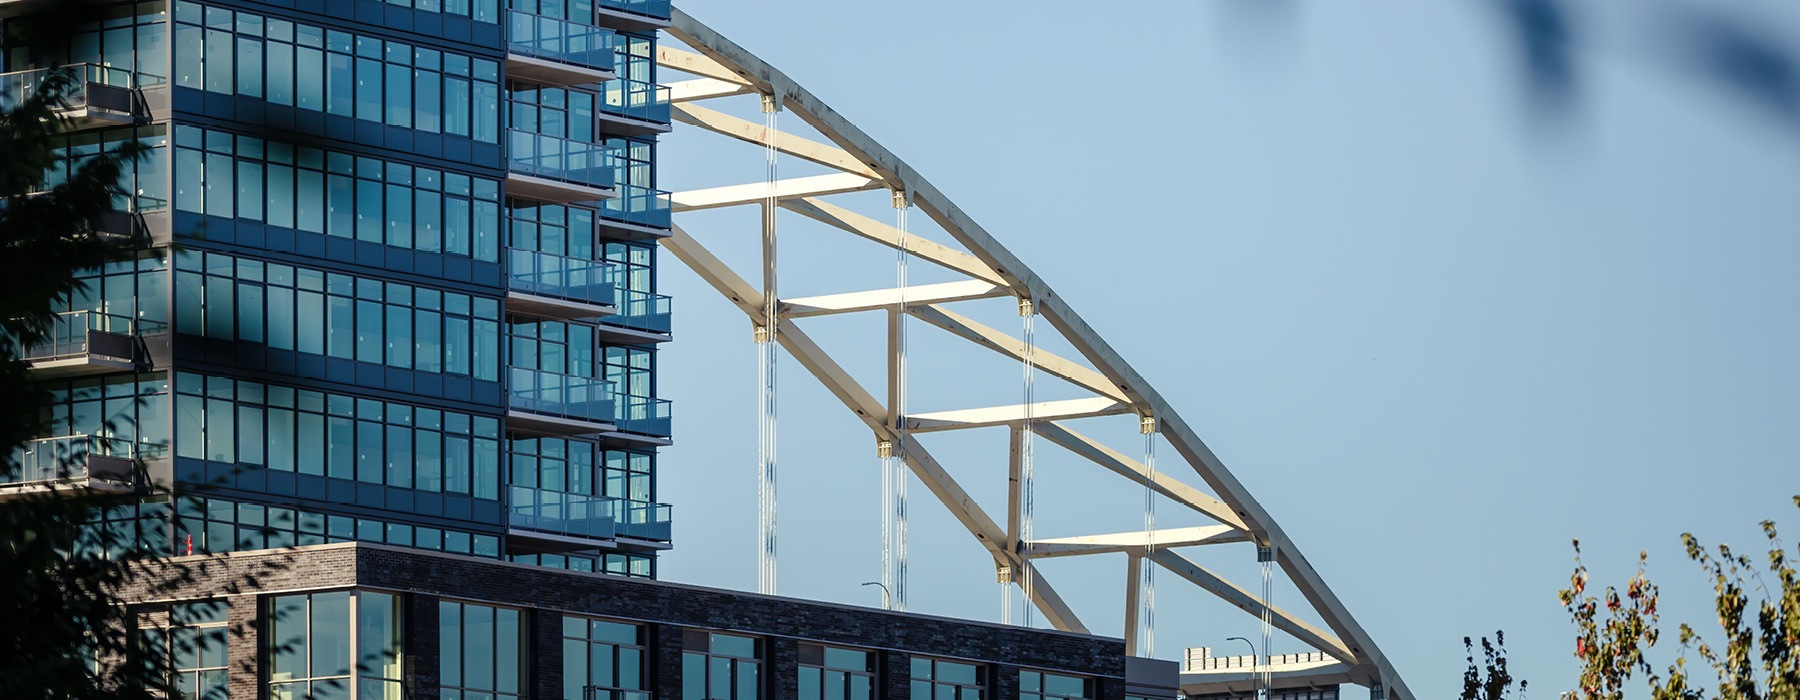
(698, 89)
(751, 132)
(1167, 538)
(1041, 411)
(920, 247)
(1005, 344)
(1162, 483)
(758, 192)
(850, 302)
(698, 64)
(1250, 603)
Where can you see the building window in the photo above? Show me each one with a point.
(948, 680)
(835, 673)
(603, 660)
(1037, 685)
(716, 666)
(479, 652)
(336, 436)
(218, 44)
(188, 641)
(337, 645)
(213, 525)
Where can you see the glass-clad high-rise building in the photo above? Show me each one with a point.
(400, 284)
(387, 362)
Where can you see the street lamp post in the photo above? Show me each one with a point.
(1254, 691)
(887, 597)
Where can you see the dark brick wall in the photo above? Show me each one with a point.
(429, 576)
(665, 660)
(896, 675)
(544, 654)
(422, 644)
(243, 647)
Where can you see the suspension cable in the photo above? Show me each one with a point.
(1147, 639)
(767, 355)
(1265, 554)
(1027, 470)
(902, 204)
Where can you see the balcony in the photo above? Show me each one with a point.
(545, 520)
(634, 108)
(557, 286)
(556, 51)
(635, 15)
(644, 520)
(99, 96)
(643, 416)
(558, 404)
(636, 213)
(87, 462)
(88, 342)
(559, 170)
(644, 316)
(571, 514)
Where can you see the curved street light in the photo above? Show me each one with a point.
(1254, 691)
(887, 597)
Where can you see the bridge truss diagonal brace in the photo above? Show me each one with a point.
(1244, 600)
(917, 246)
(757, 134)
(1125, 466)
(931, 201)
(875, 416)
(1013, 348)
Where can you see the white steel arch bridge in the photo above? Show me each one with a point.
(722, 80)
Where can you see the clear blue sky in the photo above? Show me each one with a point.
(1437, 331)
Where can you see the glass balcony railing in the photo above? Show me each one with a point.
(584, 515)
(641, 311)
(639, 205)
(71, 458)
(562, 513)
(557, 158)
(645, 416)
(562, 395)
(645, 520)
(561, 276)
(76, 334)
(636, 99)
(649, 8)
(560, 40)
(17, 86)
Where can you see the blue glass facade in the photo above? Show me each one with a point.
(411, 297)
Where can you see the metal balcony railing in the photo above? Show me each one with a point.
(562, 513)
(636, 99)
(639, 205)
(646, 521)
(560, 40)
(80, 334)
(73, 458)
(563, 277)
(94, 87)
(584, 515)
(565, 160)
(641, 311)
(565, 396)
(642, 415)
(649, 8)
